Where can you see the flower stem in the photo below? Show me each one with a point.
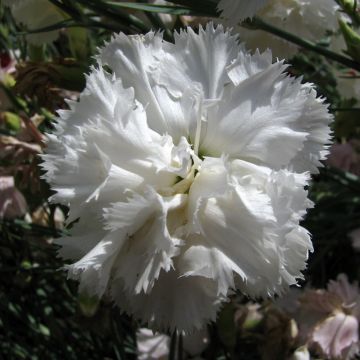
(173, 341)
(114, 14)
(180, 347)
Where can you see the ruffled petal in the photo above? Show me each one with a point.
(254, 119)
(166, 76)
(108, 149)
(150, 246)
(175, 302)
(93, 270)
(133, 58)
(199, 58)
(246, 221)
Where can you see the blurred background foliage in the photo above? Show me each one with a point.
(41, 314)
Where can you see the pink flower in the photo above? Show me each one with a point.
(7, 66)
(336, 334)
(348, 293)
(331, 318)
(355, 238)
(345, 157)
(12, 202)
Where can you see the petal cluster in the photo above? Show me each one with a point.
(186, 167)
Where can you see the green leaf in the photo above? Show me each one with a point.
(166, 9)
(44, 330)
(352, 39)
(12, 120)
(88, 304)
(79, 44)
(56, 26)
(227, 327)
(205, 6)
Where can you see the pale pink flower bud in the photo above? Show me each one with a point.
(344, 157)
(12, 202)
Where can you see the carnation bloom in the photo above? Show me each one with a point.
(187, 168)
(333, 318)
(235, 11)
(36, 14)
(307, 19)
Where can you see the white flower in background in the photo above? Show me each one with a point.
(348, 84)
(152, 346)
(187, 168)
(302, 353)
(308, 19)
(36, 14)
(234, 11)
(156, 346)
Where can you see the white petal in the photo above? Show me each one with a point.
(152, 346)
(165, 74)
(94, 269)
(241, 227)
(199, 58)
(132, 59)
(103, 147)
(307, 19)
(85, 235)
(254, 119)
(234, 11)
(150, 246)
(182, 303)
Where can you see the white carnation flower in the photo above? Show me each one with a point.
(36, 14)
(308, 19)
(234, 11)
(187, 168)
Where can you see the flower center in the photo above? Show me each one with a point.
(182, 186)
